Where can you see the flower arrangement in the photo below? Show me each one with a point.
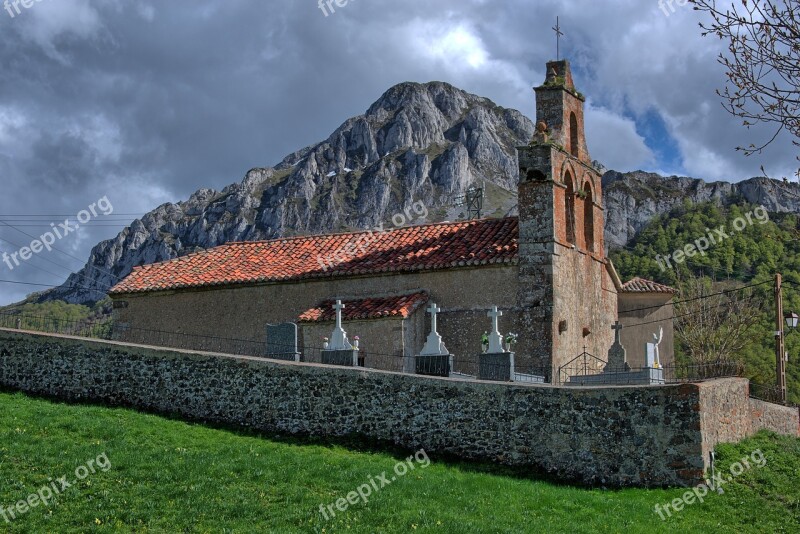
(485, 341)
(511, 340)
(356, 339)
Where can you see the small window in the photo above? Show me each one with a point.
(588, 217)
(569, 208)
(573, 134)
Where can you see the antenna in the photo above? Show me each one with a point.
(473, 200)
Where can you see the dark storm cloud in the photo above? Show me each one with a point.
(145, 102)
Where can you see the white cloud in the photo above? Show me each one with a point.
(11, 121)
(46, 22)
(614, 142)
(458, 47)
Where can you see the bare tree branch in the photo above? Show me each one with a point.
(713, 326)
(762, 62)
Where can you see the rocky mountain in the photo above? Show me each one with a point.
(634, 199)
(419, 144)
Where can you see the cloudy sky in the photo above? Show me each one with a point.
(143, 102)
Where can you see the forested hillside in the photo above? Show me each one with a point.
(741, 250)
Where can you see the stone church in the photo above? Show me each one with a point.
(545, 270)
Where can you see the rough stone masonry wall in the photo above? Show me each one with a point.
(465, 295)
(768, 416)
(648, 436)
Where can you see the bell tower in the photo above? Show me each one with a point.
(565, 291)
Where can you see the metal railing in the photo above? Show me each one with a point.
(465, 368)
(594, 369)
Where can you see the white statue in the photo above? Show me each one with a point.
(657, 339)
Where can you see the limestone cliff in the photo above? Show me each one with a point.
(418, 143)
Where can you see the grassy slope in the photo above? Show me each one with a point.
(170, 476)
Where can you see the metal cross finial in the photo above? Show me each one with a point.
(559, 35)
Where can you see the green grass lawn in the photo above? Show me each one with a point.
(171, 476)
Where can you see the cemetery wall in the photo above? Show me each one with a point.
(724, 412)
(648, 436)
(781, 419)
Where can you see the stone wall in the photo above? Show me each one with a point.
(724, 412)
(242, 312)
(644, 436)
(768, 416)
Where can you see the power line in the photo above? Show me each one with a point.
(41, 268)
(120, 225)
(45, 285)
(48, 216)
(84, 262)
(701, 297)
(678, 316)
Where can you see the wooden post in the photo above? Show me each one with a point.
(780, 347)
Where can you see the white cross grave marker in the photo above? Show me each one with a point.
(339, 336)
(495, 338)
(433, 345)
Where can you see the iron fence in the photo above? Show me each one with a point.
(771, 393)
(465, 368)
(588, 369)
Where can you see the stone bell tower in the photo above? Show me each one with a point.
(566, 294)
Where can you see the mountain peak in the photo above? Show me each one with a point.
(418, 143)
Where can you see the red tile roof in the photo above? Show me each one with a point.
(640, 285)
(368, 308)
(415, 248)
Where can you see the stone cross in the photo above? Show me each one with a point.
(339, 336)
(433, 345)
(617, 327)
(339, 307)
(433, 310)
(495, 339)
(617, 356)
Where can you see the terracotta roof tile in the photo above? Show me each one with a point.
(640, 285)
(415, 248)
(367, 308)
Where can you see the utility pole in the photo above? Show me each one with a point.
(780, 346)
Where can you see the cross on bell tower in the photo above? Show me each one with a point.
(559, 35)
